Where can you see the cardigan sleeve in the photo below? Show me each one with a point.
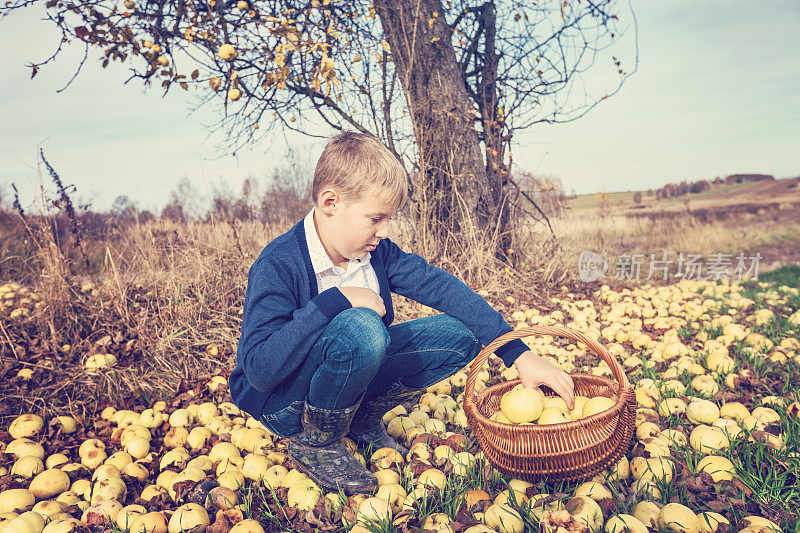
(411, 276)
(277, 333)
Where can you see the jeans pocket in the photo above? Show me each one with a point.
(285, 422)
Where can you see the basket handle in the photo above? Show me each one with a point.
(559, 331)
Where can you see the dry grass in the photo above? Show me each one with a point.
(613, 235)
(172, 292)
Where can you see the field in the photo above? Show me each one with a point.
(720, 201)
(116, 415)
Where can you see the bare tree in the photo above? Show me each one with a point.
(123, 209)
(444, 85)
(183, 203)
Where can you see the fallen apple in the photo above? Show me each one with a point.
(678, 518)
(504, 519)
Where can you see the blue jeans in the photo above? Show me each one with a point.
(357, 354)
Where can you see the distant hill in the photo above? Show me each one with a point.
(741, 178)
(737, 189)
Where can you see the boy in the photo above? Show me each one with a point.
(318, 358)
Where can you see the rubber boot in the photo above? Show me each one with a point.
(367, 426)
(319, 452)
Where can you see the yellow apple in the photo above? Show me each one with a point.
(463, 463)
(577, 411)
(620, 471)
(504, 519)
(152, 522)
(374, 510)
(522, 405)
(394, 494)
(304, 494)
(438, 522)
(188, 517)
(26, 425)
(700, 411)
(500, 417)
(647, 513)
(29, 521)
(553, 415)
(754, 524)
(586, 510)
(648, 469)
(432, 477)
(387, 477)
(734, 410)
(596, 405)
(678, 518)
(385, 458)
(555, 401)
(625, 522)
(719, 468)
(672, 406)
(227, 52)
(708, 439)
(248, 526)
(510, 497)
(594, 490)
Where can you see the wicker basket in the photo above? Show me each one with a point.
(566, 451)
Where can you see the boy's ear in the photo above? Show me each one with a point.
(328, 200)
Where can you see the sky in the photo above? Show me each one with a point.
(717, 91)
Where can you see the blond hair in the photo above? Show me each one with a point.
(358, 165)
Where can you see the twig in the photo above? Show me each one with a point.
(70, 210)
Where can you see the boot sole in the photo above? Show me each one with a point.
(348, 490)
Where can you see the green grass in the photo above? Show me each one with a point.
(591, 201)
(770, 474)
(788, 275)
(712, 192)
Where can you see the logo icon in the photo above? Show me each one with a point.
(591, 266)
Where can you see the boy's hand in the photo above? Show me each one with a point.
(362, 297)
(535, 371)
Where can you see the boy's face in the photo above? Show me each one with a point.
(350, 230)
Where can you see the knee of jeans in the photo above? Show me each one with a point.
(468, 344)
(365, 332)
(363, 322)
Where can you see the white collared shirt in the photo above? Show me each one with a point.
(359, 272)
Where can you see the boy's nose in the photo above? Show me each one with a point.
(383, 231)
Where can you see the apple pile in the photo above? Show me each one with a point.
(200, 464)
(523, 406)
(18, 302)
(188, 466)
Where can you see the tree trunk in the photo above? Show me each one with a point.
(452, 170)
(497, 214)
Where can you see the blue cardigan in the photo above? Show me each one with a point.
(284, 316)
